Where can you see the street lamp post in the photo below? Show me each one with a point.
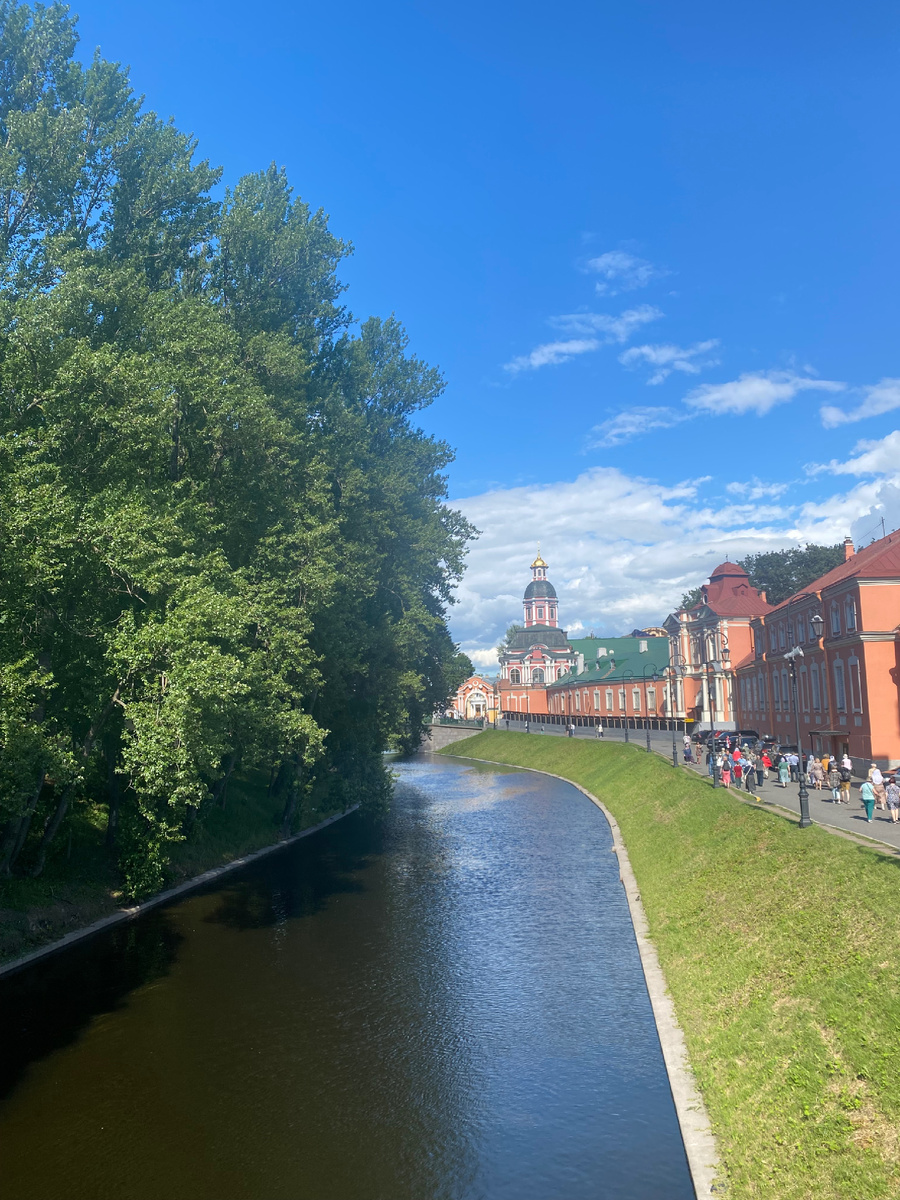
(675, 670)
(654, 676)
(792, 655)
(712, 666)
(627, 674)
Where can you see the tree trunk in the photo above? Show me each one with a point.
(19, 832)
(220, 791)
(52, 829)
(292, 803)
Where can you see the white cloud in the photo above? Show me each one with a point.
(755, 392)
(755, 489)
(621, 272)
(880, 457)
(622, 549)
(631, 423)
(551, 353)
(589, 331)
(877, 398)
(614, 329)
(668, 358)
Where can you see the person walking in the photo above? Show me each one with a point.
(847, 762)
(794, 761)
(826, 762)
(817, 774)
(686, 742)
(834, 782)
(748, 773)
(726, 770)
(599, 731)
(846, 778)
(784, 772)
(892, 791)
(760, 771)
(766, 764)
(877, 781)
(867, 796)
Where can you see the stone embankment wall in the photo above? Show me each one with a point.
(438, 736)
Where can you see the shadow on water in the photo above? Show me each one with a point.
(42, 1012)
(48, 1005)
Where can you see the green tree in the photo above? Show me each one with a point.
(781, 573)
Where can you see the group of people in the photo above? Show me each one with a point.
(749, 768)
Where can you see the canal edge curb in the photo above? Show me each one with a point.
(182, 889)
(693, 1119)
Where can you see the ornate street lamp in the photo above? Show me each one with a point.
(675, 670)
(818, 625)
(654, 676)
(713, 666)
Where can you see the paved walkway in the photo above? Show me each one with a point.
(850, 818)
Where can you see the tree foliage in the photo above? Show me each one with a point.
(223, 539)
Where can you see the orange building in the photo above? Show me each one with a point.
(476, 697)
(847, 680)
(706, 641)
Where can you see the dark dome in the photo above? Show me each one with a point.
(539, 589)
(539, 635)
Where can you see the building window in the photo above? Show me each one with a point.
(835, 620)
(528, 613)
(635, 699)
(552, 614)
(840, 692)
(804, 690)
(609, 699)
(651, 700)
(776, 692)
(855, 686)
(540, 614)
(621, 699)
(781, 636)
(515, 676)
(850, 614)
(816, 694)
(578, 701)
(785, 692)
(772, 645)
(537, 675)
(762, 693)
(642, 647)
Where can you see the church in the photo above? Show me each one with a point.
(537, 654)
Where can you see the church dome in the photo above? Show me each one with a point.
(540, 589)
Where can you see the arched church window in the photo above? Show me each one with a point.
(537, 675)
(515, 676)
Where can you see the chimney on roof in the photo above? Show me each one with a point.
(848, 548)
(762, 596)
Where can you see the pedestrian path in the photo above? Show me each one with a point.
(849, 818)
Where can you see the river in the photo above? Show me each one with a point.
(444, 1005)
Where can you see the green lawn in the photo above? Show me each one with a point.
(779, 946)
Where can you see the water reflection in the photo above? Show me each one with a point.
(445, 1004)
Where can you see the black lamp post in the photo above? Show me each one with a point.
(792, 655)
(654, 676)
(626, 674)
(675, 670)
(711, 668)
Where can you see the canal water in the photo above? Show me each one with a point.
(445, 1005)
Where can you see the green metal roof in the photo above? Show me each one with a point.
(630, 662)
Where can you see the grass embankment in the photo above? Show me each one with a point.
(80, 883)
(779, 946)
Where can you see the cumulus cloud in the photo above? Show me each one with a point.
(878, 398)
(878, 457)
(622, 549)
(588, 331)
(621, 272)
(631, 423)
(667, 359)
(757, 392)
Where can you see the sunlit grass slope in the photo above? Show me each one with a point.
(779, 946)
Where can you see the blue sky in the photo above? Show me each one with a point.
(648, 244)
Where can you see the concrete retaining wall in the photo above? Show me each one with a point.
(438, 736)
